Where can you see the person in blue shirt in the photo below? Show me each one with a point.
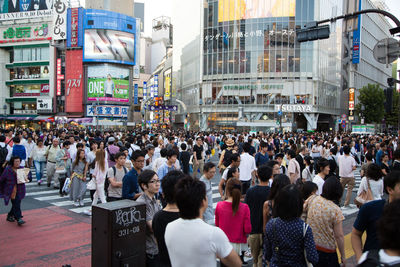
(169, 165)
(378, 159)
(130, 186)
(262, 157)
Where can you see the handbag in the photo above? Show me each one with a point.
(305, 227)
(22, 176)
(364, 197)
(67, 185)
(91, 185)
(61, 170)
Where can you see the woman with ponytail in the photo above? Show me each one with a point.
(233, 217)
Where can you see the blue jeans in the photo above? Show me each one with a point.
(39, 167)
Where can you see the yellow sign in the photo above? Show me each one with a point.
(167, 87)
(251, 9)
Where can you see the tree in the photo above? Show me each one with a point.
(373, 99)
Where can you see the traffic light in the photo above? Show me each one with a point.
(390, 82)
(389, 99)
(312, 33)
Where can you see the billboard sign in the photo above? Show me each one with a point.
(75, 27)
(229, 10)
(60, 20)
(73, 81)
(357, 41)
(108, 83)
(106, 111)
(23, 9)
(109, 37)
(135, 94)
(31, 90)
(60, 77)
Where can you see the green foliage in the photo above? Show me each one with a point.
(373, 99)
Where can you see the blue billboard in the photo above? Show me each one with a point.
(357, 40)
(109, 37)
(75, 27)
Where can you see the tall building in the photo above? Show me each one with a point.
(254, 75)
(138, 12)
(125, 7)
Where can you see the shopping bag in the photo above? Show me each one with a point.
(67, 185)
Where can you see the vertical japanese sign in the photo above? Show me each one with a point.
(60, 20)
(357, 41)
(74, 81)
(60, 76)
(144, 90)
(351, 103)
(75, 27)
(135, 94)
(155, 85)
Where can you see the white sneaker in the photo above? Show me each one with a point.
(87, 212)
(76, 204)
(81, 203)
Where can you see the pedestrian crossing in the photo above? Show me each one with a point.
(52, 196)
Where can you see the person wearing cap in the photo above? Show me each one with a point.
(111, 150)
(148, 159)
(225, 159)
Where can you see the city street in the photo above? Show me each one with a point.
(56, 232)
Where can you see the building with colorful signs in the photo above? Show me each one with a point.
(245, 70)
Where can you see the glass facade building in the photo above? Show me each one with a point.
(252, 65)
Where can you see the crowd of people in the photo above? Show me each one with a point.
(281, 194)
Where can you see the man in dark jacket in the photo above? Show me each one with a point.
(184, 158)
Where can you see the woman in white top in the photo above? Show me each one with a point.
(307, 174)
(39, 160)
(323, 171)
(374, 177)
(99, 174)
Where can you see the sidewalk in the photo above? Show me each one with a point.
(51, 236)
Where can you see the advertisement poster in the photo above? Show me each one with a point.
(108, 83)
(229, 10)
(73, 81)
(109, 45)
(135, 94)
(60, 20)
(21, 9)
(27, 90)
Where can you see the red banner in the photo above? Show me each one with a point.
(74, 81)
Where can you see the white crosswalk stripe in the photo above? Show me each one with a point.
(52, 196)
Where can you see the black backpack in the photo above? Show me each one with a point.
(3, 155)
(373, 260)
(227, 157)
(107, 183)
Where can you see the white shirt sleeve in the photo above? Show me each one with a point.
(363, 186)
(221, 243)
(9, 153)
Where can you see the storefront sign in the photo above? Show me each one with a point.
(294, 108)
(252, 86)
(351, 103)
(26, 33)
(45, 104)
(74, 27)
(144, 90)
(106, 111)
(60, 20)
(44, 89)
(73, 81)
(27, 90)
(59, 77)
(155, 85)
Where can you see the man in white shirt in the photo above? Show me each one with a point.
(29, 146)
(190, 241)
(247, 168)
(293, 166)
(347, 165)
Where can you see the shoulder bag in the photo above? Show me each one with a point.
(305, 227)
(365, 196)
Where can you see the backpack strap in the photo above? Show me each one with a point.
(115, 171)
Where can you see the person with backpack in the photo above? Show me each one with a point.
(112, 151)
(115, 176)
(389, 236)
(130, 185)
(4, 150)
(225, 159)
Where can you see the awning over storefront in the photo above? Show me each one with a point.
(20, 118)
(20, 99)
(44, 118)
(81, 120)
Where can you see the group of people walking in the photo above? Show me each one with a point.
(281, 195)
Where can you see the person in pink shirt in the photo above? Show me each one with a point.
(233, 217)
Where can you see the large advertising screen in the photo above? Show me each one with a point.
(252, 9)
(108, 83)
(109, 45)
(20, 9)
